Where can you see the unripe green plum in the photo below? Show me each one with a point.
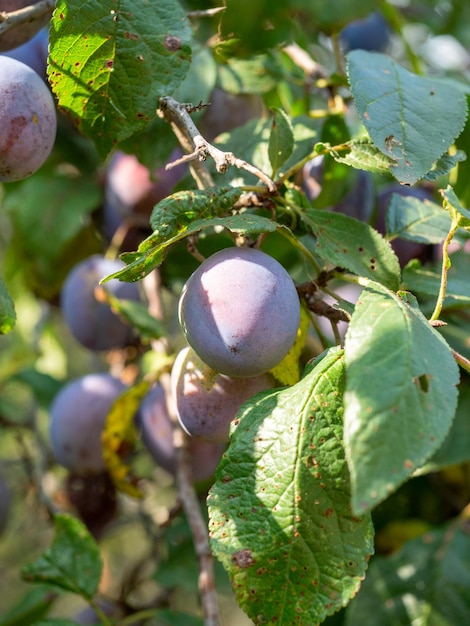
(78, 416)
(28, 120)
(240, 312)
(154, 423)
(206, 401)
(20, 34)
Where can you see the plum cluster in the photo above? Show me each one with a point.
(240, 313)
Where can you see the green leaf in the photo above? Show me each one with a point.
(244, 23)
(251, 143)
(137, 315)
(172, 215)
(444, 165)
(124, 59)
(279, 514)
(452, 204)
(32, 606)
(281, 140)
(363, 154)
(426, 582)
(186, 213)
(143, 262)
(7, 310)
(51, 208)
(249, 76)
(416, 220)
(73, 561)
(427, 280)
(401, 393)
(331, 17)
(353, 245)
(411, 119)
(54, 209)
(43, 386)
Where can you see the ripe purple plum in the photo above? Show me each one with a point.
(155, 425)
(20, 34)
(131, 192)
(92, 321)
(78, 415)
(369, 33)
(240, 312)
(88, 616)
(28, 120)
(206, 401)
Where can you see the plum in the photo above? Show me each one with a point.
(20, 34)
(206, 401)
(154, 423)
(92, 321)
(131, 192)
(240, 312)
(28, 120)
(78, 414)
(88, 616)
(370, 33)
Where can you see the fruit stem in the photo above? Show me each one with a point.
(446, 264)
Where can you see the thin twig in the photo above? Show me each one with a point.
(27, 14)
(197, 524)
(446, 263)
(461, 360)
(178, 115)
(302, 59)
(205, 12)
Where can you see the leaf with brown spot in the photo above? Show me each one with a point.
(129, 59)
(305, 541)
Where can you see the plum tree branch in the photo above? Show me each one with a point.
(178, 115)
(29, 13)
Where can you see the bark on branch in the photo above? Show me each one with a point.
(178, 115)
(28, 14)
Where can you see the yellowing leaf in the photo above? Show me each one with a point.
(287, 372)
(119, 437)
